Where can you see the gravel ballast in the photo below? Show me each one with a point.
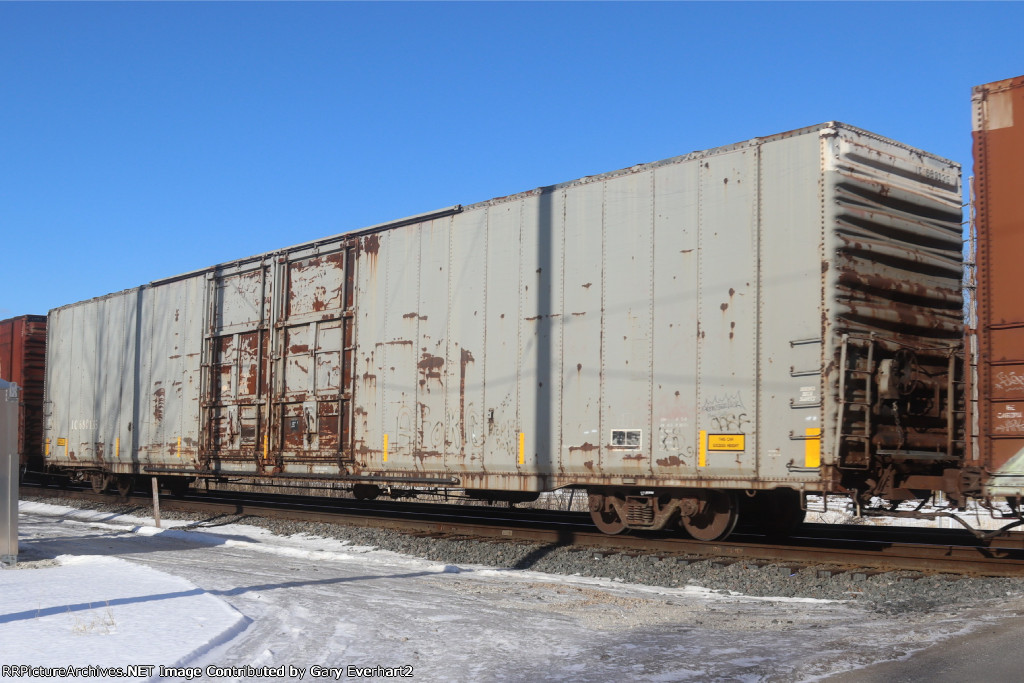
(892, 592)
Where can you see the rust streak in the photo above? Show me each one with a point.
(465, 358)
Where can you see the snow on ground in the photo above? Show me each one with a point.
(91, 610)
(839, 510)
(107, 590)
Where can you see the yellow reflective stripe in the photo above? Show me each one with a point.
(117, 447)
(522, 448)
(812, 447)
(702, 457)
(385, 448)
(179, 446)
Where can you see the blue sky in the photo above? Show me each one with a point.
(143, 140)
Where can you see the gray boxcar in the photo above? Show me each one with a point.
(774, 317)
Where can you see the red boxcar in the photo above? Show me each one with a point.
(22, 361)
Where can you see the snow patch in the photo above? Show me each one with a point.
(107, 612)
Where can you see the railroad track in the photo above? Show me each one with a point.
(838, 548)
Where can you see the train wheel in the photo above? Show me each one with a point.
(715, 518)
(605, 517)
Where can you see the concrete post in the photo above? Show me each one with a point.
(9, 464)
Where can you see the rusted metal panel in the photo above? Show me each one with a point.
(893, 322)
(999, 223)
(22, 362)
(233, 345)
(312, 333)
(276, 394)
(237, 299)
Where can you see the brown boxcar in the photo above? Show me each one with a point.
(998, 425)
(22, 361)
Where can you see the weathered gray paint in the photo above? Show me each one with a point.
(697, 294)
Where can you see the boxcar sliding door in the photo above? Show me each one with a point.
(280, 344)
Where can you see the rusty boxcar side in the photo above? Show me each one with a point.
(22, 358)
(998, 138)
(782, 313)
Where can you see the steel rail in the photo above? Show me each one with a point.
(837, 548)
